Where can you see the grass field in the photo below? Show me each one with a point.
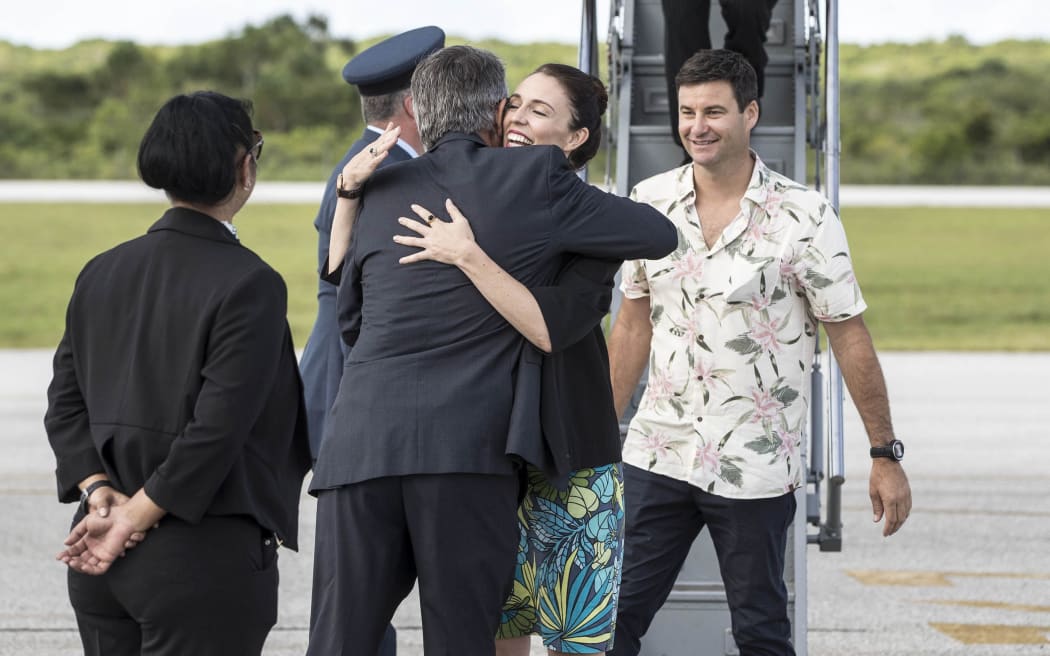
(934, 279)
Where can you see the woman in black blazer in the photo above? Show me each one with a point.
(176, 413)
(571, 517)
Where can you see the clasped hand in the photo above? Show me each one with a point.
(102, 536)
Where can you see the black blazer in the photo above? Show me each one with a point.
(322, 361)
(176, 372)
(577, 416)
(428, 385)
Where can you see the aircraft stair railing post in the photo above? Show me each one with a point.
(588, 59)
(831, 531)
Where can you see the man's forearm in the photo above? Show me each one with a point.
(629, 345)
(888, 485)
(862, 373)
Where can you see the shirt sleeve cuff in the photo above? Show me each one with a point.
(180, 503)
(334, 277)
(73, 469)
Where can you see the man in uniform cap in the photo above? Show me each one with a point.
(382, 75)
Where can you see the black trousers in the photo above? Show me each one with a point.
(664, 516)
(205, 589)
(686, 31)
(456, 533)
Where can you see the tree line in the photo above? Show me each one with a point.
(944, 112)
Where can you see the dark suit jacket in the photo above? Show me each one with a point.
(322, 361)
(176, 372)
(428, 385)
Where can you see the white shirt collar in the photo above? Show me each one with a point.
(229, 226)
(400, 142)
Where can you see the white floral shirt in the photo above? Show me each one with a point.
(734, 328)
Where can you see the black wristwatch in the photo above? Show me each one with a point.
(90, 489)
(894, 450)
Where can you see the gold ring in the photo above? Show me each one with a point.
(372, 151)
(431, 218)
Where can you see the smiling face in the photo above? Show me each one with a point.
(539, 113)
(713, 129)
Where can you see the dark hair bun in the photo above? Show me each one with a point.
(588, 99)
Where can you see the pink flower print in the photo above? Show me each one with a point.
(633, 287)
(774, 199)
(765, 333)
(690, 265)
(789, 444)
(759, 302)
(766, 406)
(757, 230)
(692, 328)
(702, 370)
(660, 386)
(706, 458)
(658, 445)
(788, 270)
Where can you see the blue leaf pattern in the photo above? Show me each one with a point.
(568, 575)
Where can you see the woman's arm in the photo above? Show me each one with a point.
(453, 243)
(550, 318)
(357, 170)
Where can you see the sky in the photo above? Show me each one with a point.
(61, 23)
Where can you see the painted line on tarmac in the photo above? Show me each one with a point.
(968, 634)
(999, 605)
(994, 634)
(933, 579)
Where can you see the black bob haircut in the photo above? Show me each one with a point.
(192, 148)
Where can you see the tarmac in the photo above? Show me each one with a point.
(968, 574)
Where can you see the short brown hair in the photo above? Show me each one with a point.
(718, 66)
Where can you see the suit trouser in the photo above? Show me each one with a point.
(686, 31)
(204, 589)
(456, 533)
(664, 516)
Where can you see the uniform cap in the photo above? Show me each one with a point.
(387, 66)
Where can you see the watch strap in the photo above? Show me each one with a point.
(90, 489)
(346, 193)
(894, 451)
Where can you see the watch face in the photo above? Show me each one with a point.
(898, 449)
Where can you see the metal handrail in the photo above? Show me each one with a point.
(588, 58)
(834, 149)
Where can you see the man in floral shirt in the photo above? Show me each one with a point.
(727, 324)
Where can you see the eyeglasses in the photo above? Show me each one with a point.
(256, 150)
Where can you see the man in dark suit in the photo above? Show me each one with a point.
(382, 75)
(412, 479)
